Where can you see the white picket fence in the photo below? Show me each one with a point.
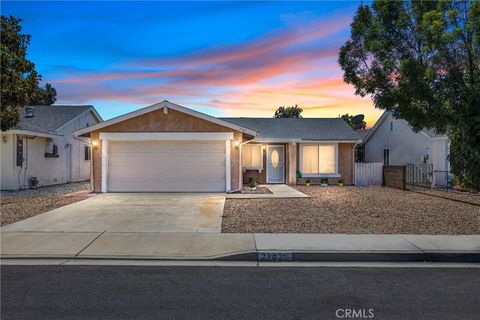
(367, 174)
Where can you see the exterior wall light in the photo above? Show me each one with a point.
(264, 147)
(236, 144)
(94, 143)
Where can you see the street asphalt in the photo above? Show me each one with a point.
(153, 292)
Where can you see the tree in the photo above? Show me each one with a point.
(46, 96)
(19, 81)
(421, 60)
(288, 112)
(355, 125)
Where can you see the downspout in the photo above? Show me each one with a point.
(353, 164)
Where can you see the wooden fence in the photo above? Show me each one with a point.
(367, 174)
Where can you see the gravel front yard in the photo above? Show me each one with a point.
(352, 210)
(20, 205)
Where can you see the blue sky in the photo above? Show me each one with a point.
(223, 58)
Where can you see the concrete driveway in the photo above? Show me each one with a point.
(131, 212)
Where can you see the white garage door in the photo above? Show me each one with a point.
(166, 166)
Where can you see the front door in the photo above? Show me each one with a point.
(275, 164)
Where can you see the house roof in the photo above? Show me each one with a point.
(48, 119)
(430, 133)
(168, 105)
(362, 133)
(309, 129)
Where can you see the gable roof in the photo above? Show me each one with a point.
(306, 129)
(48, 119)
(168, 105)
(429, 133)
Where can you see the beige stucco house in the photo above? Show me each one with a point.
(169, 148)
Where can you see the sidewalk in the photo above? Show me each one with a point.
(240, 247)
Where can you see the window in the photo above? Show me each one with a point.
(19, 152)
(391, 125)
(319, 159)
(386, 157)
(252, 157)
(87, 153)
(360, 153)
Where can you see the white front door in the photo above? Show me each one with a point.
(275, 164)
(166, 166)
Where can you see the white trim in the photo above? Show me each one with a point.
(266, 169)
(160, 105)
(228, 154)
(336, 174)
(376, 125)
(104, 166)
(270, 140)
(172, 136)
(33, 133)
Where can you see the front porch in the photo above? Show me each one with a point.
(281, 162)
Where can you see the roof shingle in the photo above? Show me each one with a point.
(48, 119)
(298, 128)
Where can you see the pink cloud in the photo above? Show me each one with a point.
(294, 65)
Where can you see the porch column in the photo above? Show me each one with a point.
(292, 163)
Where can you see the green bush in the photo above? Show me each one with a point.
(252, 182)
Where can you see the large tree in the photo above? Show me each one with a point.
(355, 123)
(19, 82)
(421, 60)
(288, 112)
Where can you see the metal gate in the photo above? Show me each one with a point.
(420, 175)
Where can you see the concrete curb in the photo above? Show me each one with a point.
(284, 256)
(256, 247)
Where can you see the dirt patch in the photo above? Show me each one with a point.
(376, 210)
(20, 205)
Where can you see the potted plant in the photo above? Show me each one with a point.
(324, 182)
(340, 182)
(308, 182)
(252, 183)
(299, 174)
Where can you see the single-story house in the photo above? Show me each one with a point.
(393, 142)
(42, 146)
(169, 148)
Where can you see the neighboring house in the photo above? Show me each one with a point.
(169, 148)
(42, 145)
(393, 142)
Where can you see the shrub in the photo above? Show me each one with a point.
(252, 182)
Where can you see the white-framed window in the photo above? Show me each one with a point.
(319, 159)
(252, 157)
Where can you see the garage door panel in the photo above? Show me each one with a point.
(155, 160)
(167, 186)
(159, 172)
(166, 166)
(166, 147)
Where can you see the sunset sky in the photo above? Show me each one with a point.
(221, 58)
